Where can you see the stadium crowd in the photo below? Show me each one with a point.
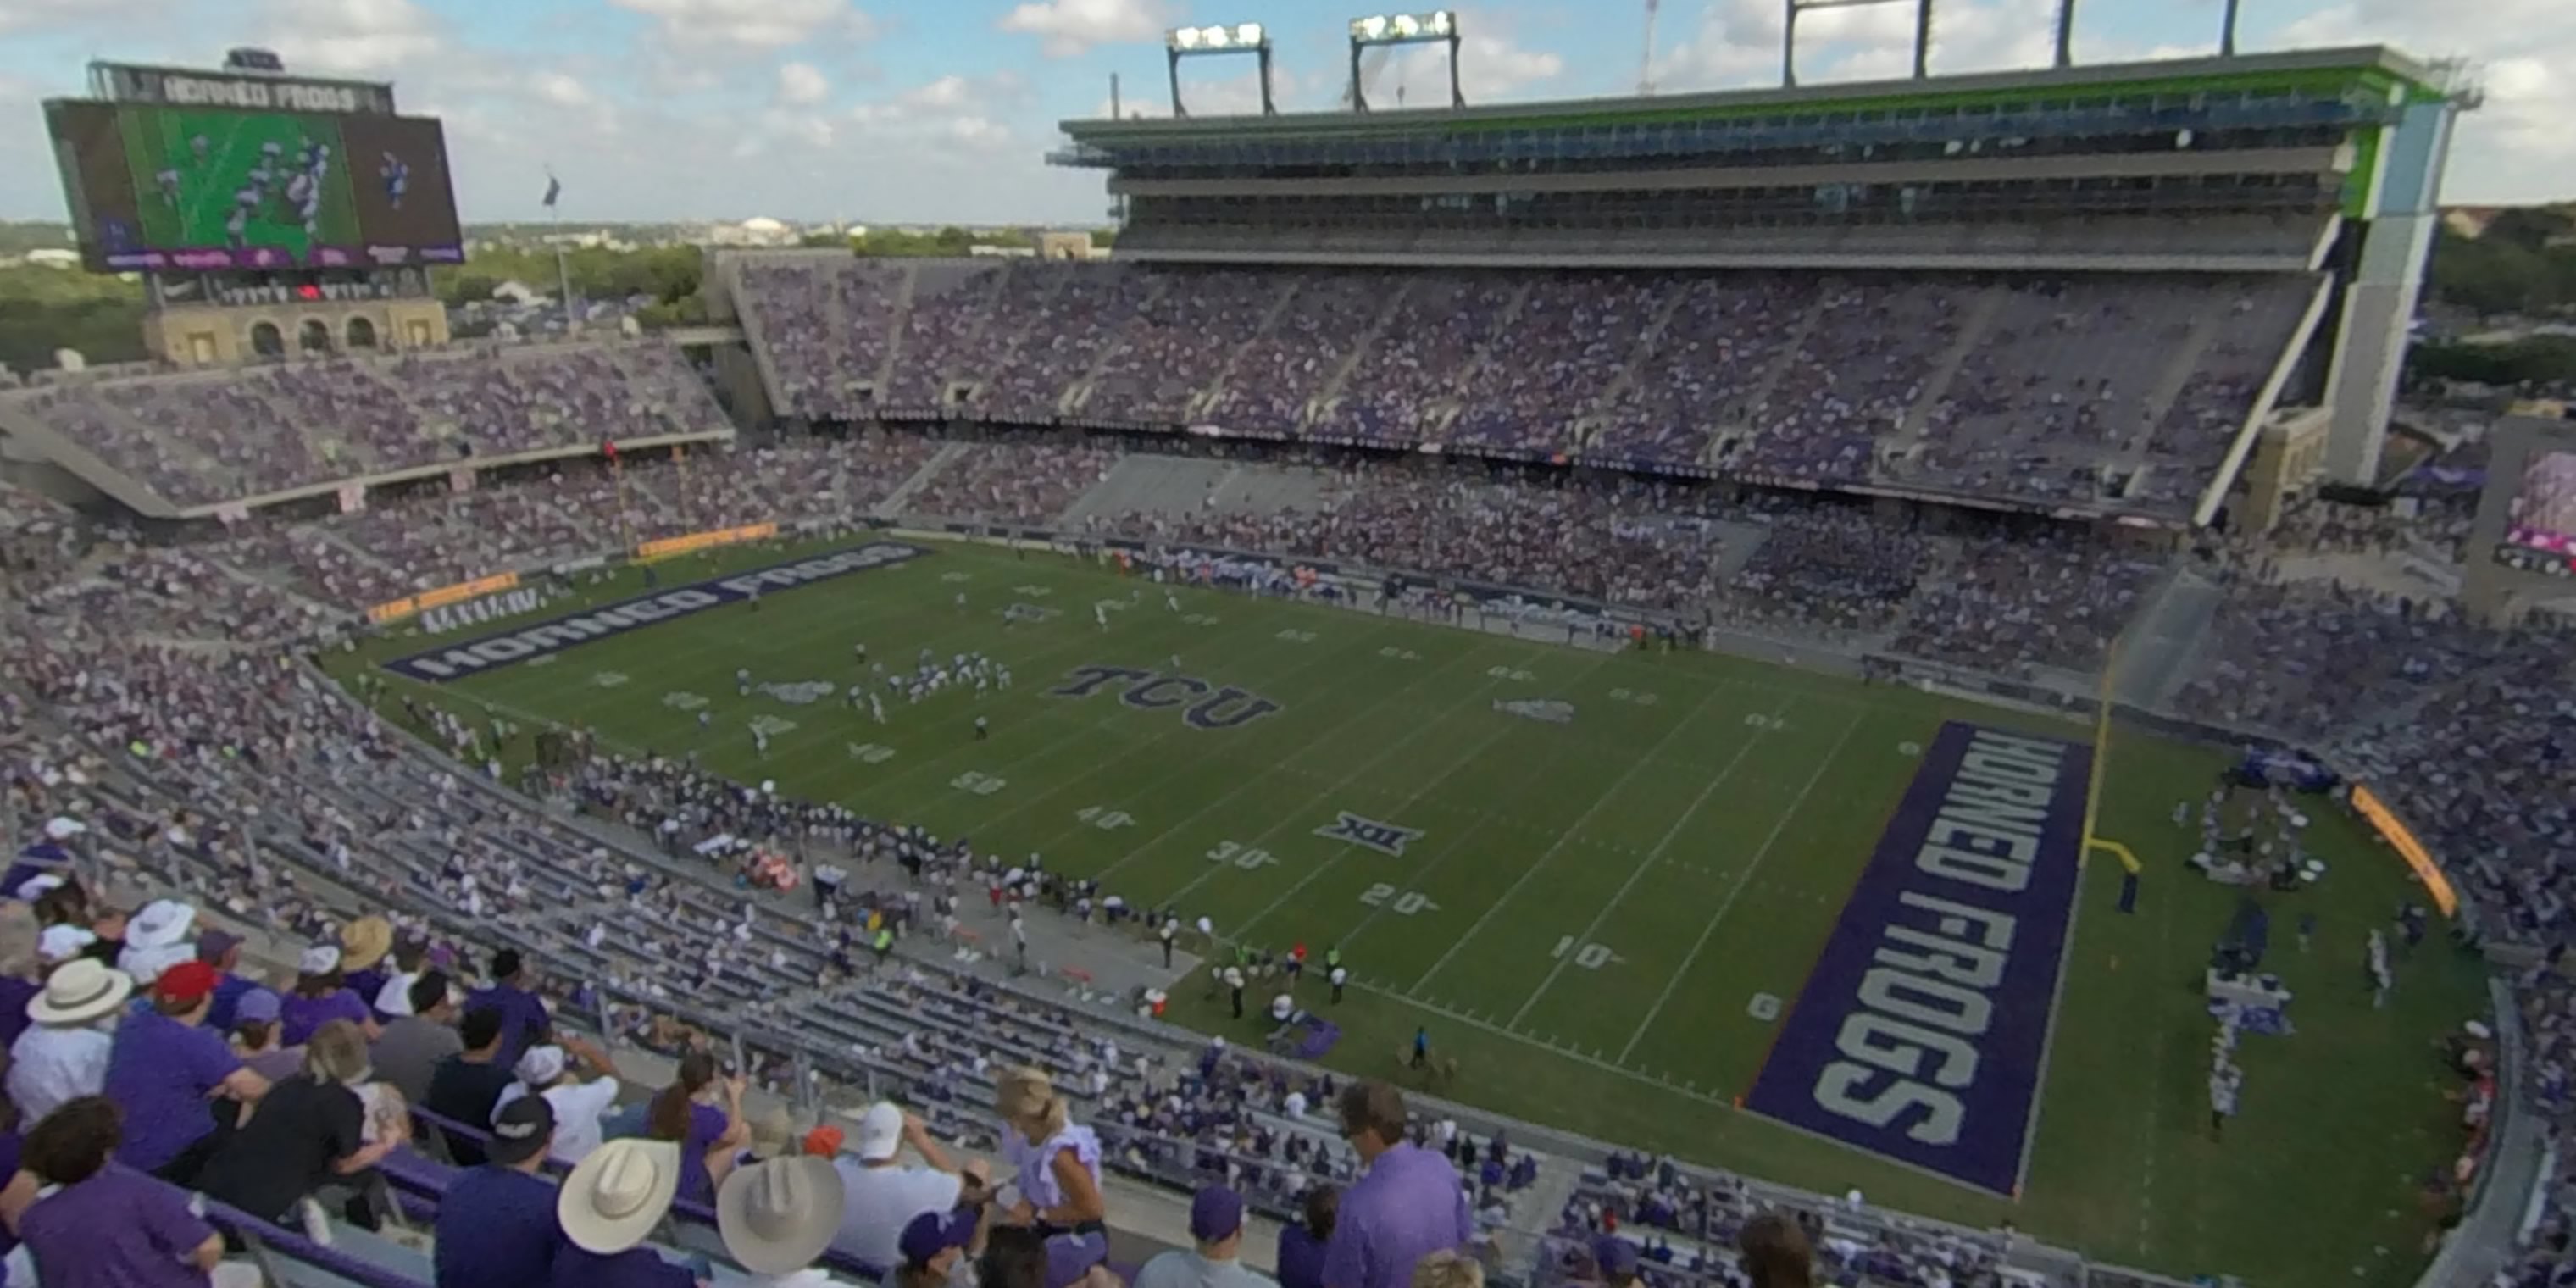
(159, 732)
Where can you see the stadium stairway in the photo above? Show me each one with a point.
(2170, 382)
(894, 502)
(1974, 322)
(1737, 421)
(1145, 483)
(2161, 648)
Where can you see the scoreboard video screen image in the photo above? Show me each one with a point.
(159, 188)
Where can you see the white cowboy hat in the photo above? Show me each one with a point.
(160, 924)
(777, 1216)
(616, 1196)
(79, 991)
(145, 964)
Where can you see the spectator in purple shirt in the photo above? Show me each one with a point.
(1302, 1245)
(320, 997)
(19, 983)
(166, 1067)
(524, 1021)
(708, 1136)
(108, 1226)
(221, 949)
(363, 945)
(608, 1206)
(1406, 1205)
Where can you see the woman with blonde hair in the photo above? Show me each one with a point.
(1448, 1270)
(1058, 1166)
(309, 1131)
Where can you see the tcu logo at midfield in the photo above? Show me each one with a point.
(1207, 706)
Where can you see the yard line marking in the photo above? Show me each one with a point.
(1647, 866)
(1563, 838)
(1374, 708)
(1741, 882)
(1566, 1052)
(1147, 743)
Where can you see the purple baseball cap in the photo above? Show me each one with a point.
(259, 1005)
(212, 944)
(932, 1233)
(1215, 1214)
(1616, 1257)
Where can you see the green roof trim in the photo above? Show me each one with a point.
(2372, 81)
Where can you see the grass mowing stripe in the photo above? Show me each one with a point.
(1572, 829)
(1145, 744)
(1290, 819)
(1742, 880)
(1644, 867)
(1249, 782)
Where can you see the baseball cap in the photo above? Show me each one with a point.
(212, 944)
(520, 1129)
(824, 1141)
(931, 1233)
(1616, 1257)
(1215, 1213)
(320, 959)
(880, 1133)
(186, 982)
(539, 1065)
(259, 1006)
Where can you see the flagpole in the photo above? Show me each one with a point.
(563, 273)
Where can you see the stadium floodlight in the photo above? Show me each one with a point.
(1218, 38)
(1789, 33)
(1440, 26)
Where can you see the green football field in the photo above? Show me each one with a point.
(1587, 911)
(197, 213)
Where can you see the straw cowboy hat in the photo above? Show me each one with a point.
(79, 991)
(615, 1197)
(365, 942)
(777, 1216)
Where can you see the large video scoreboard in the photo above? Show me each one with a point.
(244, 173)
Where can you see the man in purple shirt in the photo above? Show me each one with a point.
(1406, 1205)
(164, 1069)
(221, 949)
(524, 1021)
(108, 1226)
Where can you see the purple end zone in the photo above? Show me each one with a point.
(1921, 1032)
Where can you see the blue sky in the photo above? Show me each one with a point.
(941, 110)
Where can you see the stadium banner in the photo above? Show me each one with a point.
(555, 634)
(397, 609)
(253, 91)
(670, 547)
(2382, 819)
(1922, 1031)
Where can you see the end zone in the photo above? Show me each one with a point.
(555, 634)
(1923, 1029)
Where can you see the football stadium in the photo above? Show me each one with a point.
(1844, 683)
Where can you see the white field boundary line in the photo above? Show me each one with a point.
(1148, 743)
(1548, 855)
(1298, 815)
(1697, 803)
(1484, 820)
(1743, 880)
(1575, 1054)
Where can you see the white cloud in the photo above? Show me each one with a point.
(346, 37)
(689, 26)
(802, 85)
(1070, 27)
(563, 90)
(1490, 67)
(2518, 147)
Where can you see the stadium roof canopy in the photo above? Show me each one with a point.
(2372, 69)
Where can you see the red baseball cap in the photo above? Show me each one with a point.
(186, 982)
(823, 1142)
